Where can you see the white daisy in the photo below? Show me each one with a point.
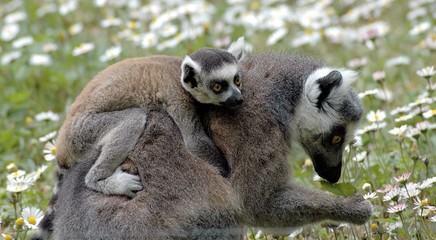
(430, 113)
(377, 116)
(9, 57)
(51, 116)
(427, 183)
(426, 72)
(22, 42)
(360, 156)
(49, 151)
(392, 194)
(9, 31)
(370, 195)
(32, 216)
(83, 48)
(110, 21)
(410, 190)
(16, 174)
(111, 53)
(40, 60)
(397, 208)
(47, 137)
(399, 132)
(36, 174)
(19, 184)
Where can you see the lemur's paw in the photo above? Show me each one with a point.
(122, 183)
(359, 208)
(119, 183)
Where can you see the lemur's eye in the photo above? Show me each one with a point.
(336, 139)
(217, 88)
(237, 80)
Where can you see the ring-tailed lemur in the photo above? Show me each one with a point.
(287, 100)
(110, 113)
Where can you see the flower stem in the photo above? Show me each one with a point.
(429, 143)
(404, 226)
(402, 155)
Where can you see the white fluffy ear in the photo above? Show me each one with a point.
(326, 84)
(189, 70)
(237, 48)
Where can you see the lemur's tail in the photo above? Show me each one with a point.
(45, 227)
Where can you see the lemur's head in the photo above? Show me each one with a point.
(327, 118)
(213, 76)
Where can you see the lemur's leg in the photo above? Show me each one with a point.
(120, 131)
(295, 206)
(196, 139)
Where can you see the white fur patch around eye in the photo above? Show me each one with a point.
(227, 71)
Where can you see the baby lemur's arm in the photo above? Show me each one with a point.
(196, 139)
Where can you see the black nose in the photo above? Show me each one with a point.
(331, 174)
(233, 101)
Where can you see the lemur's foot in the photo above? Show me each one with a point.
(119, 183)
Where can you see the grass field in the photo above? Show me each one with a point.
(49, 49)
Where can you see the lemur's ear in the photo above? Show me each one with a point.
(237, 49)
(326, 84)
(190, 69)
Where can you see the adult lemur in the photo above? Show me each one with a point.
(288, 100)
(110, 113)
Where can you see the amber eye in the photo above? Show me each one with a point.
(217, 88)
(336, 139)
(237, 81)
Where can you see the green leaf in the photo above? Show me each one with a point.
(342, 189)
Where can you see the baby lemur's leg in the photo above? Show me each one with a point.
(296, 205)
(196, 139)
(120, 131)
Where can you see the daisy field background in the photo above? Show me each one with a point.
(49, 50)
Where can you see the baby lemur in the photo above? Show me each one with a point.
(110, 113)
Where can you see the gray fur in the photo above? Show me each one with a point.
(186, 198)
(210, 59)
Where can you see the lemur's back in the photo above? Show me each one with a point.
(146, 80)
(147, 83)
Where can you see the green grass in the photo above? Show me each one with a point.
(26, 90)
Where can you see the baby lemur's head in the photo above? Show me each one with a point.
(212, 76)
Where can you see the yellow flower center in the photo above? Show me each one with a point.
(132, 25)
(53, 150)
(32, 220)
(28, 120)
(308, 31)
(19, 222)
(374, 227)
(424, 202)
(255, 5)
(8, 237)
